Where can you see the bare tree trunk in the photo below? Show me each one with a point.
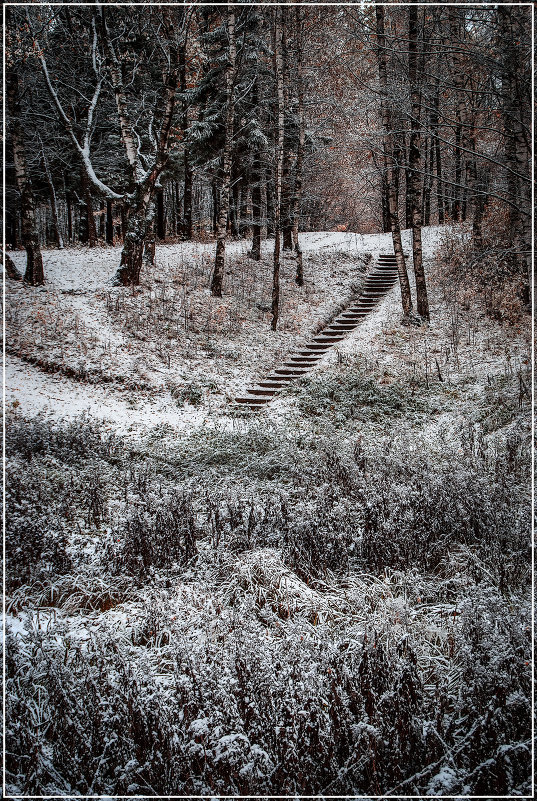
(384, 204)
(297, 198)
(10, 269)
(438, 154)
(30, 238)
(214, 193)
(138, 227)
(516, 150)
(256, 178)
(477, 229)
(234, 210)
(69, 204)
(161, 216)
(287, 178)
(221, 233)
(53, 202)
(109, 229)
(406, 298)
(187, 167)
(91, 228)
(455, 16)
(150, 246)
(269, 202)
(140, 213)
(244, 210)
(278, 70)
(428, 182)
(414, 159)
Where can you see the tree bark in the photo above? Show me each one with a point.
(137, 230)
(221, 233)
(435, 116)
(278, 70)
(187, 167)
(406, 298)
(455, 15)
(286, 205)
(161, 216)
(244, 228)
(269, 201)
(12, 229)
(53, 201)
(516, 149)
(30, 238)
(214, 193)
(91, 228)
(109, 229)
(414, 160)
(10, 269)
(297, 197)
(256, 178)
(235, 210)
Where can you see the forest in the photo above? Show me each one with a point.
(268, 281)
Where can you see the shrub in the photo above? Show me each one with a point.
(156, 534)
(353, 394)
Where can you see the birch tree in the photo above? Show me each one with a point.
(406, 298)
(414, 163)
(221, 232)
(147, 153)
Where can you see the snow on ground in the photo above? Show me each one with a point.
(33, 392)
(168, 353)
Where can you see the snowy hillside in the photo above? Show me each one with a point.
(204, 601)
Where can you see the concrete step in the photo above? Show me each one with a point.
(317, 346)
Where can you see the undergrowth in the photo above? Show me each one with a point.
(345, 620)
(355, 394)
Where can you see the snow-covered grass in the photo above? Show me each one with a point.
(329, 597)
(169, 338)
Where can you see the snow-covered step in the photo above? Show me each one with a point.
(253, 400)
(377, 283)
(291, 371)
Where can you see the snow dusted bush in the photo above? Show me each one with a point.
(341, 396)
(159, 533)
(491, 273)
(250, 709)
(416, 514)
(261, 612)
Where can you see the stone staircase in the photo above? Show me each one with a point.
(377, 283)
